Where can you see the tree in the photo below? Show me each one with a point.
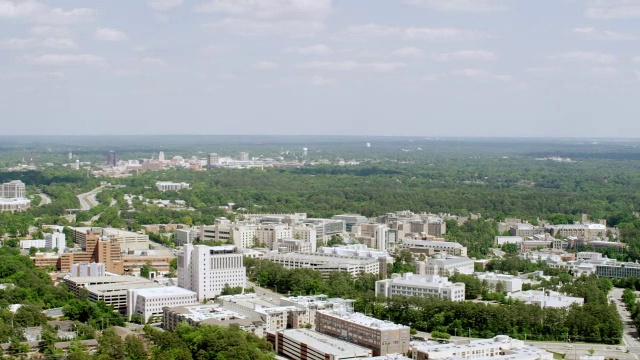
(33, 250)
(110, 346)
(134, 348)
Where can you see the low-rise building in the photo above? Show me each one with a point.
(502, 240)
(423, 286)
(525, 230)
(498, 348)
(509, 283)
(171, 186)
(382, 337)
(430, 247)
(149, 302)
(618, 270)
(446, 265)
(14, 205)
(213, 314)
(545, 298)
(311, 345)
(307, 306)
(110, 289)
(88, 270)
(326, 263)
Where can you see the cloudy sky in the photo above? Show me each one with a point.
(341, 67)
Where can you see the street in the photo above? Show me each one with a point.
(630, 333)
(45, 199)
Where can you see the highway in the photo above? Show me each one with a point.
(45, 199)
(88, 199)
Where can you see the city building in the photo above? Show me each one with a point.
(311, 345)
(587, 231)
(326, 228)
(213, 160)
(185, 236)
(28, 244)
(618, 270)
(274, 316)
(171, 186)
(207, 269)
(545, 298)
(244, 156)
(161, 156)
(14, 189)
(502, 240)
(128, 240)
(326, 263)
(500, 347)
(292, 245)
(111, 158)
(307, 306)
(213, 314)
(525, 230)
(110, 289)
(373, 235)
(423, 286)
(14, 205)
(350, 220)
(356, 250)
(382, 337)
(149, 302)
(88, 270)
(430, 247)
(56, 240)
(445, 265)
(510, 283)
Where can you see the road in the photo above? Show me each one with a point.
(88, 199)
(45, 199)
(574, 351)
(630, 333)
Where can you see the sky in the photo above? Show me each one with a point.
(491, 68)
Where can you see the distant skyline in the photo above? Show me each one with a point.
(423, 68)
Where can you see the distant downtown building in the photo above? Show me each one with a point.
(422, 286)
(382, 337)
(213, 160)
(112, 160)
(207, 269)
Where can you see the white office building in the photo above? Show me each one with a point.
(207, 269)
(13, 189)
(171, 186)
(431, 247)
(86, 270)
(28, 244)
(424, 286)
(311, 345)
(446, 265)
(500, 347)
(546, 298)
(185, 236)
(326, 263)
(56, 240)
(510, 283)
(149, 303)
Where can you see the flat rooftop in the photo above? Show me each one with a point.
(363, 320)
(322, 259)
(164, 291)
(325, 343)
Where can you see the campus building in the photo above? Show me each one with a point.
(498, 348)
(207, 269)
(310, 345)
(382, 337)
(149, 303)
(424, 286)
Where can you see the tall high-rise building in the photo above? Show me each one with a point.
(13, 189)
(161, 156)
(212, 160)
(207, 269)
(244, 156)
(304, 151)
(111, 158)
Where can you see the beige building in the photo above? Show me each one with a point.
(310, 345)
(432, 247)
(382, 337)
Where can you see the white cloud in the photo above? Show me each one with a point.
(264, 65)
(153, 61)
(268, 8)
(477, 6)
(63, 59)
(414, 33)
(319, 49)
(475, 73)
(46, 31)
(408, 52)
(466, 55)
(613, 9)
(59, 43)
(109, 34)
(605, 71)
(35, 11)
(292, 28)
(164, 5)
(596, 34)
(636, 59)
(587, 56)
(350, 65)
(30, 43)
(540, 69)
(53, 75)
(322, 81)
